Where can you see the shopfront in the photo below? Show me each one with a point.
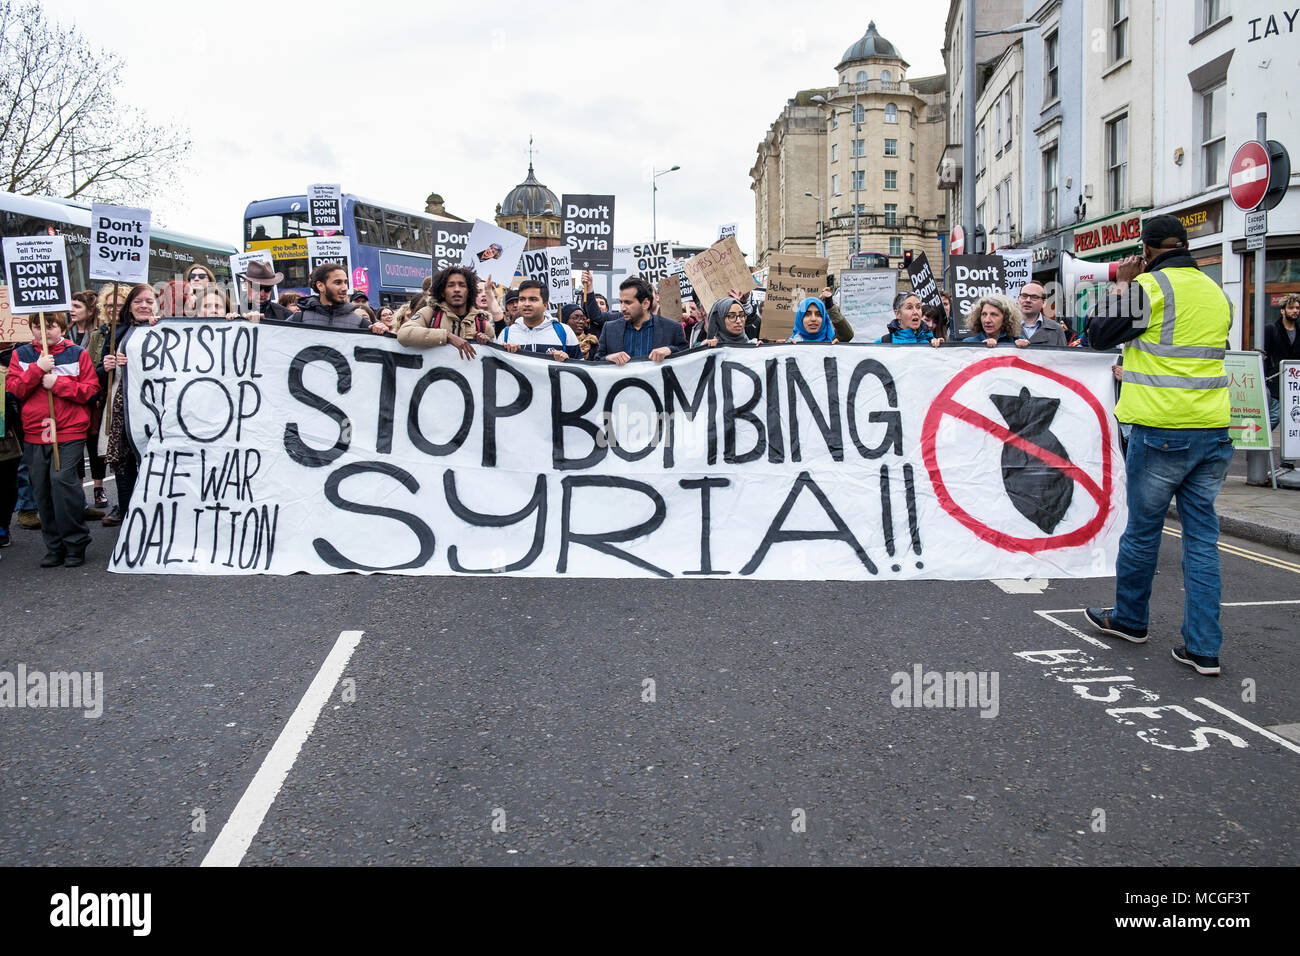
(1281, 278)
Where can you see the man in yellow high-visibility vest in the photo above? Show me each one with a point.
(1173, 320)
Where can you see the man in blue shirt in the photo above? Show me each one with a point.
(639, 333)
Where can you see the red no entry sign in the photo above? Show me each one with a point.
(1248, 175)
(957, 242)
(945, 404)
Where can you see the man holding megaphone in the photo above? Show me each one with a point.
(1173, 320)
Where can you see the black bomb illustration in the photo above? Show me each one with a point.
(1040, 492)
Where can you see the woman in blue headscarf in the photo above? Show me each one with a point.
(811, 323)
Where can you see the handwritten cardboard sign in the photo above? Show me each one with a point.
(719, 269)
(790, 279)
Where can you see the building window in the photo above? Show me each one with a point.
(884, 76)
(1117, 163)
(979, 215)
(835, 152)
(891, 214)
(1118, 30)
(835, 121)
(861, 77)
(979, 149)
(911, 182)
(859, 147)
(835, 212)
(1049, 188)
(1006, 112)
(835, 184)
(891, 179)
(1210, 13)
(891, 113)
(997, 125)
(859, 113)
(997, 208)
(859, 179)
(891, 147)
(1213, 108)
(911, 151)
(1051, 67)
(895, 245)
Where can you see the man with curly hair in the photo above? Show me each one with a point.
(451, 318)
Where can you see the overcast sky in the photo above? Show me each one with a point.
(396, 99)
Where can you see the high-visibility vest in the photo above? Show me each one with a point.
(1173, 372)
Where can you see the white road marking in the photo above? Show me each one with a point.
(1017, 586)
(1246, 723)
(107, 479)
(238, 833)
(1255, 556)
(1095, 642)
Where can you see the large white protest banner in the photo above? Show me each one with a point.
(867, 301)
(119, 243)
(492, 252)
(36, 268)
(270, 449)
(324, 206)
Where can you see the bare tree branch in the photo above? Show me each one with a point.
(62, 131)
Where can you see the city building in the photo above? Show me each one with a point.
(840, 169)
(532, 210)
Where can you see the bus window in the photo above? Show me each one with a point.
(369, 221)
(263, 227)
(397, 229)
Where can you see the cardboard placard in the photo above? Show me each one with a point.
(670, 299)
(36, 268)
(790, 279)
(12, 328)
(589, 230)
(867, 301)
(492, 252)
(119, 243)
(719, 269)
(325, 206)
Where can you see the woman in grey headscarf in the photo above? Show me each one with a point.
(727, 324)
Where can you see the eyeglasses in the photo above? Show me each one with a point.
(735, 315)
(197, 275)
(1030, 295)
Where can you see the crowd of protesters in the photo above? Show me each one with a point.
(76, 367)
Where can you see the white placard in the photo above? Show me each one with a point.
(1289, 393)
(36, 268)
(813, 463)
(323, 249)
(867, 301)
(1016, 270)
(325, 206)
(492, 252)
(119, 243)
(560, 275)
(239, 265)
(727, 229)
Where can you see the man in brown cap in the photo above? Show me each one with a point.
(1173, 320)
(259, 282)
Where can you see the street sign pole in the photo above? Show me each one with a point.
(1259, 464)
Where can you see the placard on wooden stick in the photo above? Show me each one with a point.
(717, 270)
(670, 298)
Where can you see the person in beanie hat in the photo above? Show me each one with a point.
(1173, 320)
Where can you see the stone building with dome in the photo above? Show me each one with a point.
(532, 210)
(871, 141)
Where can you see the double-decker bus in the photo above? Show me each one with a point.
(171, 253)
(393, 249)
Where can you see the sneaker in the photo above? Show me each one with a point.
(4, 538)
(112, 519)
(1203, 665)
(30, 520)
(101, 498)
(1100, 618)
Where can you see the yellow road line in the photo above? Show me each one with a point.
(1248, 555)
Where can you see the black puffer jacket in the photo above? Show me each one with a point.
(341, 316)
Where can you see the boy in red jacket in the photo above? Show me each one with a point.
(55, 366)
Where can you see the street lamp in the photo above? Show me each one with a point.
(654, 195)
(857, 160)
(968, 94)
(821, 242)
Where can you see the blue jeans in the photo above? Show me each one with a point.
(1162, 464)
(26, 501)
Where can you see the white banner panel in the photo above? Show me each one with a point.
(273, 449)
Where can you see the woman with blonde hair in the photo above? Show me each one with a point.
(996, 320)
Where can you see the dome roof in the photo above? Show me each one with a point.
(871, 44)
(529, 198)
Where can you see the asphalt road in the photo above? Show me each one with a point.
(508, 721)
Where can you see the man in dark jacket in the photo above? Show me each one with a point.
(259, 282)
(329, 307)
(638, 333)
(1281, 344)
(1038, 328)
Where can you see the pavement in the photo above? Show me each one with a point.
(1259, 514)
